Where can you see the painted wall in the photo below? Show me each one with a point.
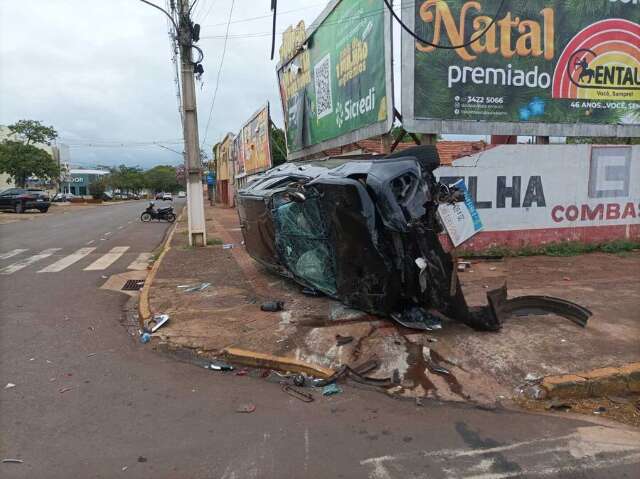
(536, 194)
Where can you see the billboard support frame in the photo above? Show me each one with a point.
(481, 127)
(376, 129)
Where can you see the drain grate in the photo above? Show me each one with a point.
(133, 285)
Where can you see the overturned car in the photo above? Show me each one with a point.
(364, 230)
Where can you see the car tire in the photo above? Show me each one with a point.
(145, 217)
(44, 210)
(19, 207)
(171, 217)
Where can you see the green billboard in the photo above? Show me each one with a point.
(335, 79)
(540, 67)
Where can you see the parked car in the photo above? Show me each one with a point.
(167, 197)
(365, 231)
(182, 194)
(159, 196)
(23, 199)
(132, 196)
(60, 197)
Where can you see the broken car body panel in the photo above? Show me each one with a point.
(364, 231)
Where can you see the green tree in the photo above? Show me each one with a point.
(127, 178)
(278, 145)
(20, 158)
(98, 188)
(162, 178)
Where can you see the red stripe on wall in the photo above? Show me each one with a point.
(521, 238)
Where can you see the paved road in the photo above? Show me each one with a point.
(90, 401)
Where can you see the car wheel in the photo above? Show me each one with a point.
(146, 217)
(44, 210)
(171, 217)
(19, 208)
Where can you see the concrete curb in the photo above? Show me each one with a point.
(144, 308)
(595, 383)
(261, 360)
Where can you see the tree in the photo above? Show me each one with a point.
(98, 188)
(278, 145)
(162, 178)
(127, 178)
(21, 159)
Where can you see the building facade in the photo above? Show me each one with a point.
(78, 181)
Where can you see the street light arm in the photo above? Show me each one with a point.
(163, 11)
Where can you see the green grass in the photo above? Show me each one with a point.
(214, 241)
(567, 248)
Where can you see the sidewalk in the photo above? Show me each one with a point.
(484, 367)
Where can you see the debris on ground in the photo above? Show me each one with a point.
(416, 317)
(311, 292)
(342, 340)
(297, 393)
(12, 461)
(242, 372)
(227, 246)
(531, 377)
(159, 320)
(142, 459)
(464, 265)
(599, 410)
(299, 380)
(219, 366)
(192, 288)
(557, 405)
(246, 408)
(65, 389)
(145, 337)
(272, 306)
(10, 386)
(331, 389)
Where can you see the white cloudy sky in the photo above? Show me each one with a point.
(99, 71)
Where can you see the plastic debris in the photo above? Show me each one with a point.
(532, 377)
(464, 265)
(219, 366)
(227, 246)
(192, 288)
(535, 392)
(299, 380)
(10, 460)
(600, 410)
(272, 306)
(64, 390)
(242, 372)
(160, 320)
(331, 389)
(246, 408)
(145, 337)
(557, 405)
(296, 393)
(10, 385)
(416, 317)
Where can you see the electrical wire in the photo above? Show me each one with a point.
(206, 15)
(443, 47)
(260, 17)
(215, 91)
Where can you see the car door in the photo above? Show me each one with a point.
(6, 198)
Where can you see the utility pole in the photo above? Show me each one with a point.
(193, 166)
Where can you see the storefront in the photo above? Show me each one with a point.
(78, 181)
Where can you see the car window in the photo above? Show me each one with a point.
(10, 191)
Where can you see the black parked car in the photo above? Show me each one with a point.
(23, 199)
(365, 231)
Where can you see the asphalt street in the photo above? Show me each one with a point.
(91, 402)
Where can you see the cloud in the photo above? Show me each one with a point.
(100, 71)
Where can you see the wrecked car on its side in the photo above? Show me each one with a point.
(364, 230)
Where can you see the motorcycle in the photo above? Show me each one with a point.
(151, 213)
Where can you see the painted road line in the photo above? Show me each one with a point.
(107, 259)
(11, 254)
(12, 268)
(67, 261)
(141, 262)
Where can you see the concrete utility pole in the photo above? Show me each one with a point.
(193, 166)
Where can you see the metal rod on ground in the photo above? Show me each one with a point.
(193, 166)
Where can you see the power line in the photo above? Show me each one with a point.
(260, 17)
(206, 15)
(215, 92)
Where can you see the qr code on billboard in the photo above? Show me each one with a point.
(322, 82)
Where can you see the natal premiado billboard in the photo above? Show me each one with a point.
(540, 67)
(336, 79)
